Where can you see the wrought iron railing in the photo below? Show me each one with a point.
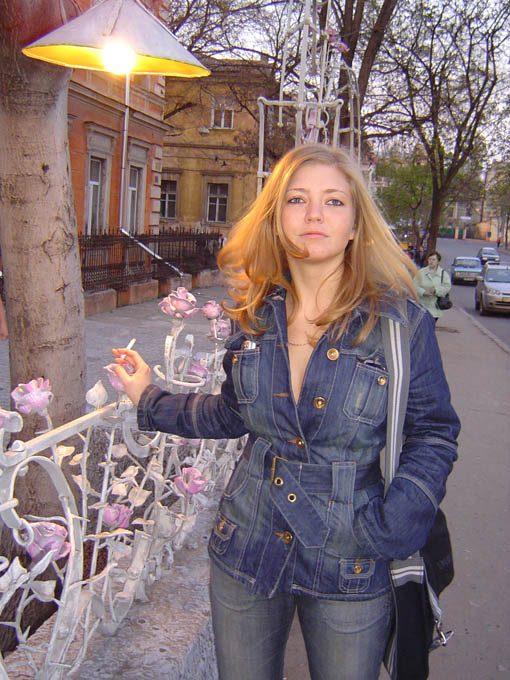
(115, 260)
(133, 501)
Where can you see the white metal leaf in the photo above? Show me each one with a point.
(119, 451)
(97, 396)
(144, 522)
(138, 496)
(130, 472)
(97, 606)
(119, 489)
(63, 452)
(43, 563)
(110, 534)
(75, 460)
(14, 576)
(44, 590)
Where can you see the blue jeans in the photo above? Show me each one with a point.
(344, 640)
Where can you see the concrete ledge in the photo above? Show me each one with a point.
(138, 292)
(173, 282)
(207, 278)
(100, 301)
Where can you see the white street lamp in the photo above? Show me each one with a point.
(121, 37)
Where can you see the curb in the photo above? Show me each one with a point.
(502, 345)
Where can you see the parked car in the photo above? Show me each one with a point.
(487, 254)
(465, 269)
(493, 289)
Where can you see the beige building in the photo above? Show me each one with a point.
(210, 151)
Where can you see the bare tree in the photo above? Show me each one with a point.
(438, 77)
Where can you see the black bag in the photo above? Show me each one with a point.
(443, 301)
(417, 581)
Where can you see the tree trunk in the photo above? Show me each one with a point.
(38, 236)
(435, 217)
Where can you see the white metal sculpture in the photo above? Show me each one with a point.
(141, 506)
(326, 84)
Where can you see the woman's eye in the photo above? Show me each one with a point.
(295, 199)
(335, 201)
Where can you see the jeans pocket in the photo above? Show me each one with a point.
(355, 575)
(221, 535)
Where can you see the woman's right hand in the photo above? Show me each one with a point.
(137, 376)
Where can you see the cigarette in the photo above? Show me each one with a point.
(131, 343)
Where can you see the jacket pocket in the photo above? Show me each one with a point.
(355, 575)
(221, 535)
(237, 480)
(245, 374)
(367, 395)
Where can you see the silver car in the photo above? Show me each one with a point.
(492, 292)
(465, 269)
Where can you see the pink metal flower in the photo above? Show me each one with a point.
(33, 396)
(114, 379)
(212, 310)
(198, 366)
(180, 304)
(223, 329)
(117, 516)
(48, 536)
(191, 481)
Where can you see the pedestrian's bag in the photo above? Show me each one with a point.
(418, 580)
(443, 301)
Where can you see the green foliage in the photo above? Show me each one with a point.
(405, 191)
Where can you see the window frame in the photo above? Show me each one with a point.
(164, 200)
(218, 198)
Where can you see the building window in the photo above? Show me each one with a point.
(168, 199)
(222, 117)
(217, 196)
(134, 189)
(95, 198)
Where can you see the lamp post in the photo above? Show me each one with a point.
(120, 37)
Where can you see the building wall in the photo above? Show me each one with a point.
(96, 117)
(196, 152)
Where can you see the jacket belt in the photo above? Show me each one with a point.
(318, 478)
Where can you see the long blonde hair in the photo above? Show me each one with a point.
(254, 259)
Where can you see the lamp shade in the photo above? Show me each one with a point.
(151, 46)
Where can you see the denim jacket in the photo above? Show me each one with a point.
(304, 511)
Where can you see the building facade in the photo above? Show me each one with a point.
(96, 119)
(211, 147)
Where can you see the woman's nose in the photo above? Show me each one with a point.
(314, 212)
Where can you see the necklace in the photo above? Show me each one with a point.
(299, 344)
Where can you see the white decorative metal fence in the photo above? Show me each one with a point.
(127, 501)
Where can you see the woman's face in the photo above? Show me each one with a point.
(318, 212)
(433, 261)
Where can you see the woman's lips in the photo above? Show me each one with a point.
(314, 234)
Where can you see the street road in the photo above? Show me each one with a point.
(463, 295)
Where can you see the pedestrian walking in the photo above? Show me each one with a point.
(432, 282)
(303, 522)
(4, 332)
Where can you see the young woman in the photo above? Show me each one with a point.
(430, 282)
(303, 523)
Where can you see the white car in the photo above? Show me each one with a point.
(492, 292)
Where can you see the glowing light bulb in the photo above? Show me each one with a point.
(118, 57)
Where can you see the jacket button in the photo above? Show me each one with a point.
(235, 359)
(221, 525)
(319, 402)
(278, 481)
(292, 498)
(287, 537)
(357, 569)
(382, 380)
(332, 354)
(300, 442)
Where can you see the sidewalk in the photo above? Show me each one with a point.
(476, 604)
